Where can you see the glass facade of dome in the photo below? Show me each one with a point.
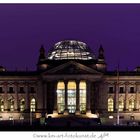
(70, 49)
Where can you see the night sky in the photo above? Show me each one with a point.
(24, 28)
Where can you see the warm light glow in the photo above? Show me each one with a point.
(21, 117)
(71, 85)
(1, 105)
(90, 115)
(60, 97)
(33, 105)
(111, 117)
(82, 93)
(11, 103)
(121, 105)
(131, 105)
(11, 118)
(71, 96)
(1, 118)
(70, 49)
(110, 105)
(60, 85)
(22, 105)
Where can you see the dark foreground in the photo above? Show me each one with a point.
(64, 124)
(68, 128)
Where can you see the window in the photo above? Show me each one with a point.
(1, 105)
(111, 90)
(131, 89)
(71, 96)
(82, 95)
(1, 90)
(33, 105)
(11, 104)
(110, 105)
(22, 105)
(60, 97)
(121, 105)
(32, 89)
(11, 90)
(21, 90)
(131, 105)
(121, 89)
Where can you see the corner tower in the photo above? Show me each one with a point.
(101, 64)
(41, 60)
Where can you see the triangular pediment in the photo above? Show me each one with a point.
(72, 67)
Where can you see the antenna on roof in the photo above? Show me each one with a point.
(117, 96)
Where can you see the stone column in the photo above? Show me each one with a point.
(16, 101)
(88, 110)
(5, 96)
(126, 97)
(45, 96)
(117, 97)
(55, 112)
(27, 100)
(66, 112)
(137, 97)
(77, 98)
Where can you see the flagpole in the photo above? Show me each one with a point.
(118, 115)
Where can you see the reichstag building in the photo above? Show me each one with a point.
(69, 80)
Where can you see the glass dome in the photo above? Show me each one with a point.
(70, 49)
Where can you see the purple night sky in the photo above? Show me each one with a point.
(24, 28)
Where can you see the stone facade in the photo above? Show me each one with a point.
(35, 93)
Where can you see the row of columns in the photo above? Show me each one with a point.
(88, 87)
(16, 97)
(126, 99)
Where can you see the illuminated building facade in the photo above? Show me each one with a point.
(70, 80)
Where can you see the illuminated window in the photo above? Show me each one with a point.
(131, 105)
(70, 49)
(22, 105)
(121, 105)
(71, 96)
(82, 93)
(1, 105)
(33, 105)
(60, 97)
(11, 104)
(110, 105)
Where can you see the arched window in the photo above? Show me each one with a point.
(71, 96)
(82, 95)
(121, 105)
(1, 105)
(131, 104)
(22, 104)
(33, 105)
(11, 104)
(60, 97)
(110, 105)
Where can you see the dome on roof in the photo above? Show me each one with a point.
(70, 49)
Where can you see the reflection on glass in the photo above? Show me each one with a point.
(60, 97)
(82, 93)
(70, 49)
